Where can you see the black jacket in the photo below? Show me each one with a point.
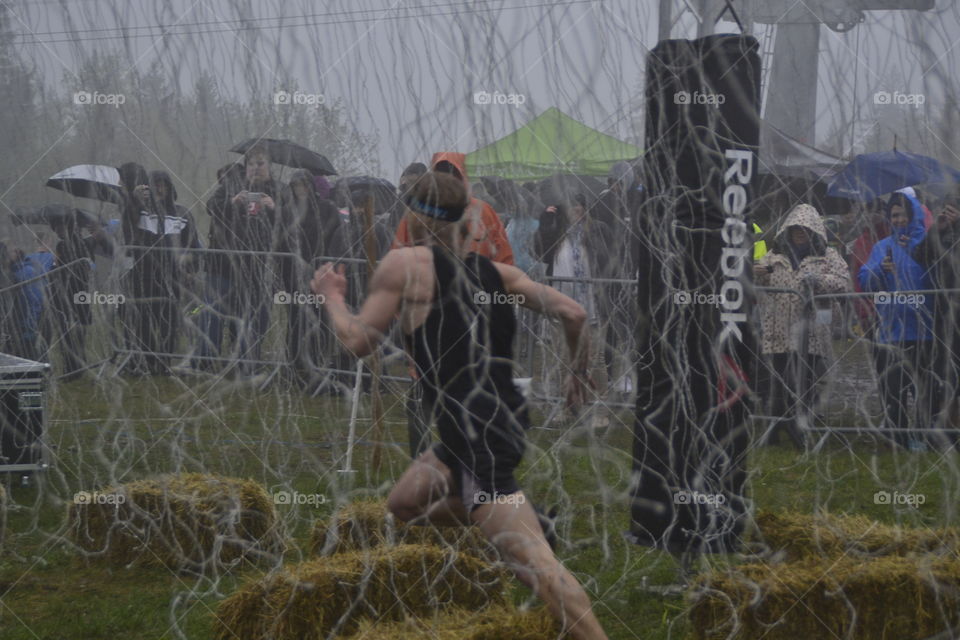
(233, 229)
(939, 253)
(550, 233)
(314, 234)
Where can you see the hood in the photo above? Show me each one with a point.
(162, 177)
(916, 229)
(459, 160)
(804, 215)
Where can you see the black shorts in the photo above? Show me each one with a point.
(483, 457)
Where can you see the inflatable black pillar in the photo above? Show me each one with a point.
(694, 253)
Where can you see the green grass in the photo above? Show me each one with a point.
(117, 430)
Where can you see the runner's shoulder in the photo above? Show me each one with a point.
(404, 262)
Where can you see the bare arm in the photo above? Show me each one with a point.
(363, 332)
(550, 302)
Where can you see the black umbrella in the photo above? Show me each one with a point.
(290, 154)
(51, 214)
(94, 181)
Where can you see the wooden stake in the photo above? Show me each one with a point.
(370, 247)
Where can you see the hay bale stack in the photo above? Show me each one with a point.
(497, 622)
(803, 536)
(187, 522)
(368, 524)
(891, 597)
(307, 601)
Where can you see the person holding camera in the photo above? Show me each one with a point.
(795, 333)
(939, 253)
(243, 217)
(903, 339)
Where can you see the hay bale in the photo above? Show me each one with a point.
(187, 522)
(496, 622)
(803, 536)
(310, 600)
(884, 598)
(368, 524)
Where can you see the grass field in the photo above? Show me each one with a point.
(115, 430)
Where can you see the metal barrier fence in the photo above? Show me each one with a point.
(895, 391)
(270, 322)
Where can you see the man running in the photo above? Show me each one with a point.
(456, 313)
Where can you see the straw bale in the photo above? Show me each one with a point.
(186, 522)
(824, 534)
(369, 524)
(496, 622)
(335, 593)
(889, 598)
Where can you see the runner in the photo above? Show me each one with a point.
(456, 314)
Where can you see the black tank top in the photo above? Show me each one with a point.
(465, 344)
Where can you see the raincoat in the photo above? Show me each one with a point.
(903, 318)
(782, 314)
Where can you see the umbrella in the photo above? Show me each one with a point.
(52, 214)
(290, 154)
(871, 175)
(94, 181)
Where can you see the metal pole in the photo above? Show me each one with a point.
(663, 29)
(352, 432)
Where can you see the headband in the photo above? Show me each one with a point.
(445, 214)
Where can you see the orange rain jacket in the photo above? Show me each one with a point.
(488, 236)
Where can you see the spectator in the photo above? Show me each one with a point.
(72, 317)
(154, 227)
(576, 247)
(243, 215)
(28, 300)
(413, 171)
(487, 234)
(903, 337)
(796, 337)
(939, 254)
(316, 235)
(874, 229)
(522, 231)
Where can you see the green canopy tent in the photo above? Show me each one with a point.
(551, 143)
